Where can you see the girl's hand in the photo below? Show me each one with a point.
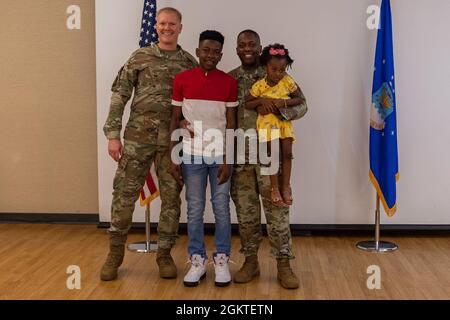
(262, 111)
(268, 105)
(279, 103)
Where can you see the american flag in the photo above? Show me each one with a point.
(148, 26)
(148, 37)
(149, 191)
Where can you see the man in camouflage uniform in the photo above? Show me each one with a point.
(248, 184)
(149, 72)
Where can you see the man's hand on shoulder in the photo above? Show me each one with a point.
(115, 149)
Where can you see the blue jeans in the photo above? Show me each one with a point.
(195, 178)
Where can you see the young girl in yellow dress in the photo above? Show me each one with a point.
(269, 96)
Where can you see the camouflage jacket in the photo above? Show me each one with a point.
(150, 73)
(246, 119)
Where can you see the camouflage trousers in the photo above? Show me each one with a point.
(129, 179)
(247, 185)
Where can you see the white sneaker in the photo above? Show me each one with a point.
(196, 272)
(222, 270)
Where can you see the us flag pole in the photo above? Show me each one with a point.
(148, 37)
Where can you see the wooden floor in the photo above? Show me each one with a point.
(34, 259)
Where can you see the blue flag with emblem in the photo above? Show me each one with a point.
(383, 129)
(148, 34)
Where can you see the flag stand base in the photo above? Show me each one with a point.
(377, 245)
(145, 246)
(372, 245)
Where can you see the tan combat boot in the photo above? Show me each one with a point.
(286, 276)
(248, 271)
(115, 257)
(167, 268)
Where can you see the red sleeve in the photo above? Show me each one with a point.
(232, 100)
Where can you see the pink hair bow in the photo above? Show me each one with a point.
(277, 52)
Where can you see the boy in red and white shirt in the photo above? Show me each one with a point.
(207, 98)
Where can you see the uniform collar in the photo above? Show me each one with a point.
(257, 73)
(160, 53)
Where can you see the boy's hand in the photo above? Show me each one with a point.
(184, 124)
(175, 171)
(223, 174)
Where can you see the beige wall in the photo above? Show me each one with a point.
(47, 108)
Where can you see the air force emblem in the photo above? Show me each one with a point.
(382, 106)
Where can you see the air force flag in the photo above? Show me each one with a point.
(383, 129)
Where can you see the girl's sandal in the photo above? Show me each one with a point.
(287, 196)
(275, 197)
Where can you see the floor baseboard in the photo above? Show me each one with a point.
(296, 229)
(69, 218)
(320, 229)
